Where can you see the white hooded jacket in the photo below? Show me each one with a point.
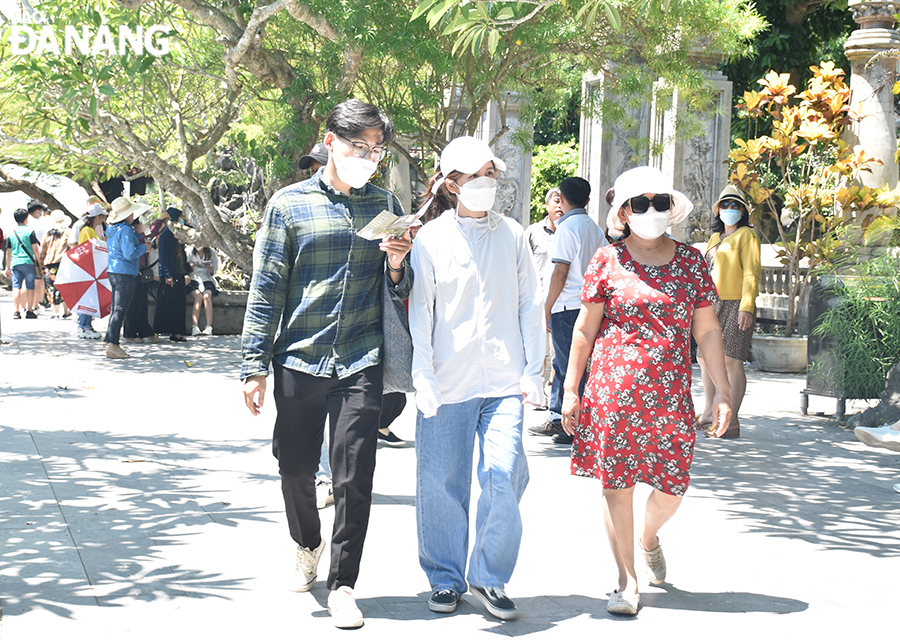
(475, 312)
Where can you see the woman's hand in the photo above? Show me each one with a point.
(169, 282)
(745, 320)
(571, 412)
(721, 411)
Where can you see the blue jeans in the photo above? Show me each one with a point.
(444, 448)
(122, 285)
(84, 322)
(324, 472)
(562, 325)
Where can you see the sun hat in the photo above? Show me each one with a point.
(122, 207)
(95, 210)
(731, 192)
(641, 180)
(466, 155)
(59, 220)
(319, 153)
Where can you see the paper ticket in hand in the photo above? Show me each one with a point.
(388, 225)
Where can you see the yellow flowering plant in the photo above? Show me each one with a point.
(802, 174)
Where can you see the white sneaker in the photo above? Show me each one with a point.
(88, 334)
(195, 330)
(324, 494)
(208, 330)
(306, 568)
(655, 562)
(622, 604)
(882, 437)
(343, 610)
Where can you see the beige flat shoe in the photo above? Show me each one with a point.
(115, 352)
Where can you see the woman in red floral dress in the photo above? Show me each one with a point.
(642, 299)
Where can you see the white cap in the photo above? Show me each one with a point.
(466, 155)
(641, 180)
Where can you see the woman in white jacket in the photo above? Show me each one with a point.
(478, 337)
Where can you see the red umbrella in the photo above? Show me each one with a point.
(82, 279)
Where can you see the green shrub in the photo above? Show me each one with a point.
(550, 165)
(865, 328)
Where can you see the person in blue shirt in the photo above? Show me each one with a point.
(125, 249)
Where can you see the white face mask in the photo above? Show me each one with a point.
(478, 194)
(730, 216)
(649, 225)
(355, 171)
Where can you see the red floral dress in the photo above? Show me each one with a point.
(637, 414)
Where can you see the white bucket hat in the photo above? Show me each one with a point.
(466, 155)
(122, 207)
(59, 220)
(637, 182)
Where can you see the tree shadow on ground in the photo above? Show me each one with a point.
(803, 479)
(208, 354)
(87, 517)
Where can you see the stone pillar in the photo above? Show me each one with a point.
(514, 189)
(608, 149)
(698, 166)
(871, 86)
(397, 178)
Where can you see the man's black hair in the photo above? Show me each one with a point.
(351, 117)
(35, 204)
(576, 191)
(20, 215)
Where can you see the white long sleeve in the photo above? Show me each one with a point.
(475, 312)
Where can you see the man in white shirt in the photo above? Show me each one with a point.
(39, 221)
(574, 243)
(541, 233)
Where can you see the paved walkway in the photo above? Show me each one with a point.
(139, 499)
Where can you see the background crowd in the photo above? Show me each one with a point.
(145, 262)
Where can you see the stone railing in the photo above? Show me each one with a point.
(228, 312)
(772, 303)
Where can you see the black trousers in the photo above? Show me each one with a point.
(353, 408)
(136, 323)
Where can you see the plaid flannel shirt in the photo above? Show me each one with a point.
(320, 281)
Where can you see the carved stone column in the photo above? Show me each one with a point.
(698, 166)
(608, 149)
(514, 189)
(871, 85)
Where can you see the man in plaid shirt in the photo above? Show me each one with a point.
(314, 313)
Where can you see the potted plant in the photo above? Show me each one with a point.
(799, 172)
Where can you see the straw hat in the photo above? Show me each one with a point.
(731, 192)
(122, 207)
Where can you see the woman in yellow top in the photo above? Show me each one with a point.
(733, 257)
(92, 230)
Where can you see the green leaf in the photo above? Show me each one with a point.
(435, 15)
(612, 14)
(422, 8)
(107, 90)
(493, 40)
(506, 13)
(93, 106)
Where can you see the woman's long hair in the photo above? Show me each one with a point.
(443, 199)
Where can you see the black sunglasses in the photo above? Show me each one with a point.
(661, 202)
(731, 204)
